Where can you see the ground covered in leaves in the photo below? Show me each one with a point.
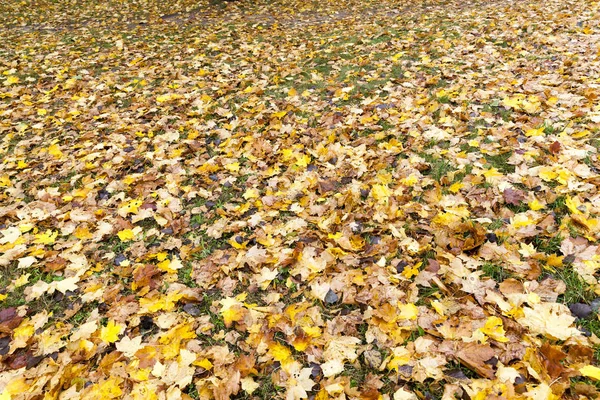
(326, 200)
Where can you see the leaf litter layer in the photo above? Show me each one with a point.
(370, 200)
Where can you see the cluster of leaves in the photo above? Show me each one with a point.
(332, 199)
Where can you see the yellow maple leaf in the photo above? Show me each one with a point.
(166, 302)
(408, 311)
(21, 281)
(410, 180)
(233, 241)
(233, 167)
(573, 204)
(531, 105)
(521, 220)
(591, 372)
(47, 237)
(381, 193)
(131, 207)
(279, 114)
(312, 331)
(397, 56)
(82, 233)
(232, 310)
(547, 173)
(16, 386)
(108, 389)
(535, 205)
(455, 187)
(110, 332)
(11, 80)
(250, 194)
(303, 161)
(446, 218)
(286, 154)
(204, 363)
(494, 329)
(23, 331)
(400, 356)
(512, 102)
(292, 92)
(535, 131)
(126, 235)
(554, 261)
(409, 272)
(492, 174)
(164, 265)
(279, 352)
(167, 97)
(54, 151)
(581, 134)
(232, 315)
(5, 181)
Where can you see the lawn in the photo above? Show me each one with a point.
(351, 199)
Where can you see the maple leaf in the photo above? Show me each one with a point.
(381, 193)
(494, 329)
(553, 320)
(131, 207)
(110, 332)
(126, 235)
(47, 237)
(107, 389)
(249, 385)
(514, 197)
(54, 150)
(10, 235)
(129, 346)
(299, 384)
(590, 371)
(402, 394)
(232, 310)
(332, 368)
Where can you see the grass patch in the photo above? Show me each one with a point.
(559, 207)
(184, 276)
(439, 167)
(548, 245)
(497, 224)
(357, 375)
(577, 290)
(429, 389)
(266, 390)
(192, 391)
(414, 335)
(84, 312)
(496, 109)
(496, 272)
(500, 162)
(425, 293)
(592, 325)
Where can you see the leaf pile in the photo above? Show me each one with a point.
(289, 199)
